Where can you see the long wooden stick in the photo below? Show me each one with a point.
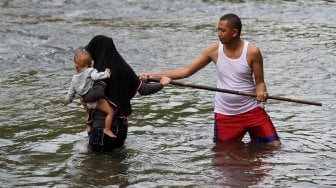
(173, 82)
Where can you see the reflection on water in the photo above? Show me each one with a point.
(242, 165)
(99, 169)
(43, 144)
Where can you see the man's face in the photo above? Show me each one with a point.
(225, 32)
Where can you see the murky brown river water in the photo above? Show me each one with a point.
(43, 144)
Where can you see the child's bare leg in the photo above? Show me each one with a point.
(105, 107)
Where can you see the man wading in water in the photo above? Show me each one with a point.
(240, 67)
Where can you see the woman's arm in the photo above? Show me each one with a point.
(149, 88)
(96, 92)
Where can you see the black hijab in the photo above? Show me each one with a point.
(123, 83)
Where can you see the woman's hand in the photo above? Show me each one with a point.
(144, 77)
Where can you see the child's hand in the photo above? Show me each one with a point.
(165, 80)
(64, 102)
(108, 70)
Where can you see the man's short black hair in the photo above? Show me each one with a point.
(233, 21)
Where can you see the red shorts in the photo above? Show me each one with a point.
(233, 128)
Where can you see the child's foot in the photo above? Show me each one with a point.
(109, 133)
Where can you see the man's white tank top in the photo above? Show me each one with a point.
(234, 74)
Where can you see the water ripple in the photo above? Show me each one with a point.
(43, 143)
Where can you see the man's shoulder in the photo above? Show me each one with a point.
(252, 47)
(253, 54)
(213, 46)
(211, 51)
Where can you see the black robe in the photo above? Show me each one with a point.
(123, 83)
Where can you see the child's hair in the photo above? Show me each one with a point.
(83, 58)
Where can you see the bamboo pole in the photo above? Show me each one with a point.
(173, 82)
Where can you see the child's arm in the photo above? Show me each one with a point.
(96, 92)
(71, 95)
(95, 75)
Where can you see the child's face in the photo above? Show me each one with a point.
(77, 64)
(82, 61)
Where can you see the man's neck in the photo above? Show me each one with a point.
(234, 49)
(234, 45)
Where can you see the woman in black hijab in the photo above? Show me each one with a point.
(119, 89)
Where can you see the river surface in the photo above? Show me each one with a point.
(43, 143)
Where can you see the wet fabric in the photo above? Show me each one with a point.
(123, 82)
(97, 141)
(233, 128)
